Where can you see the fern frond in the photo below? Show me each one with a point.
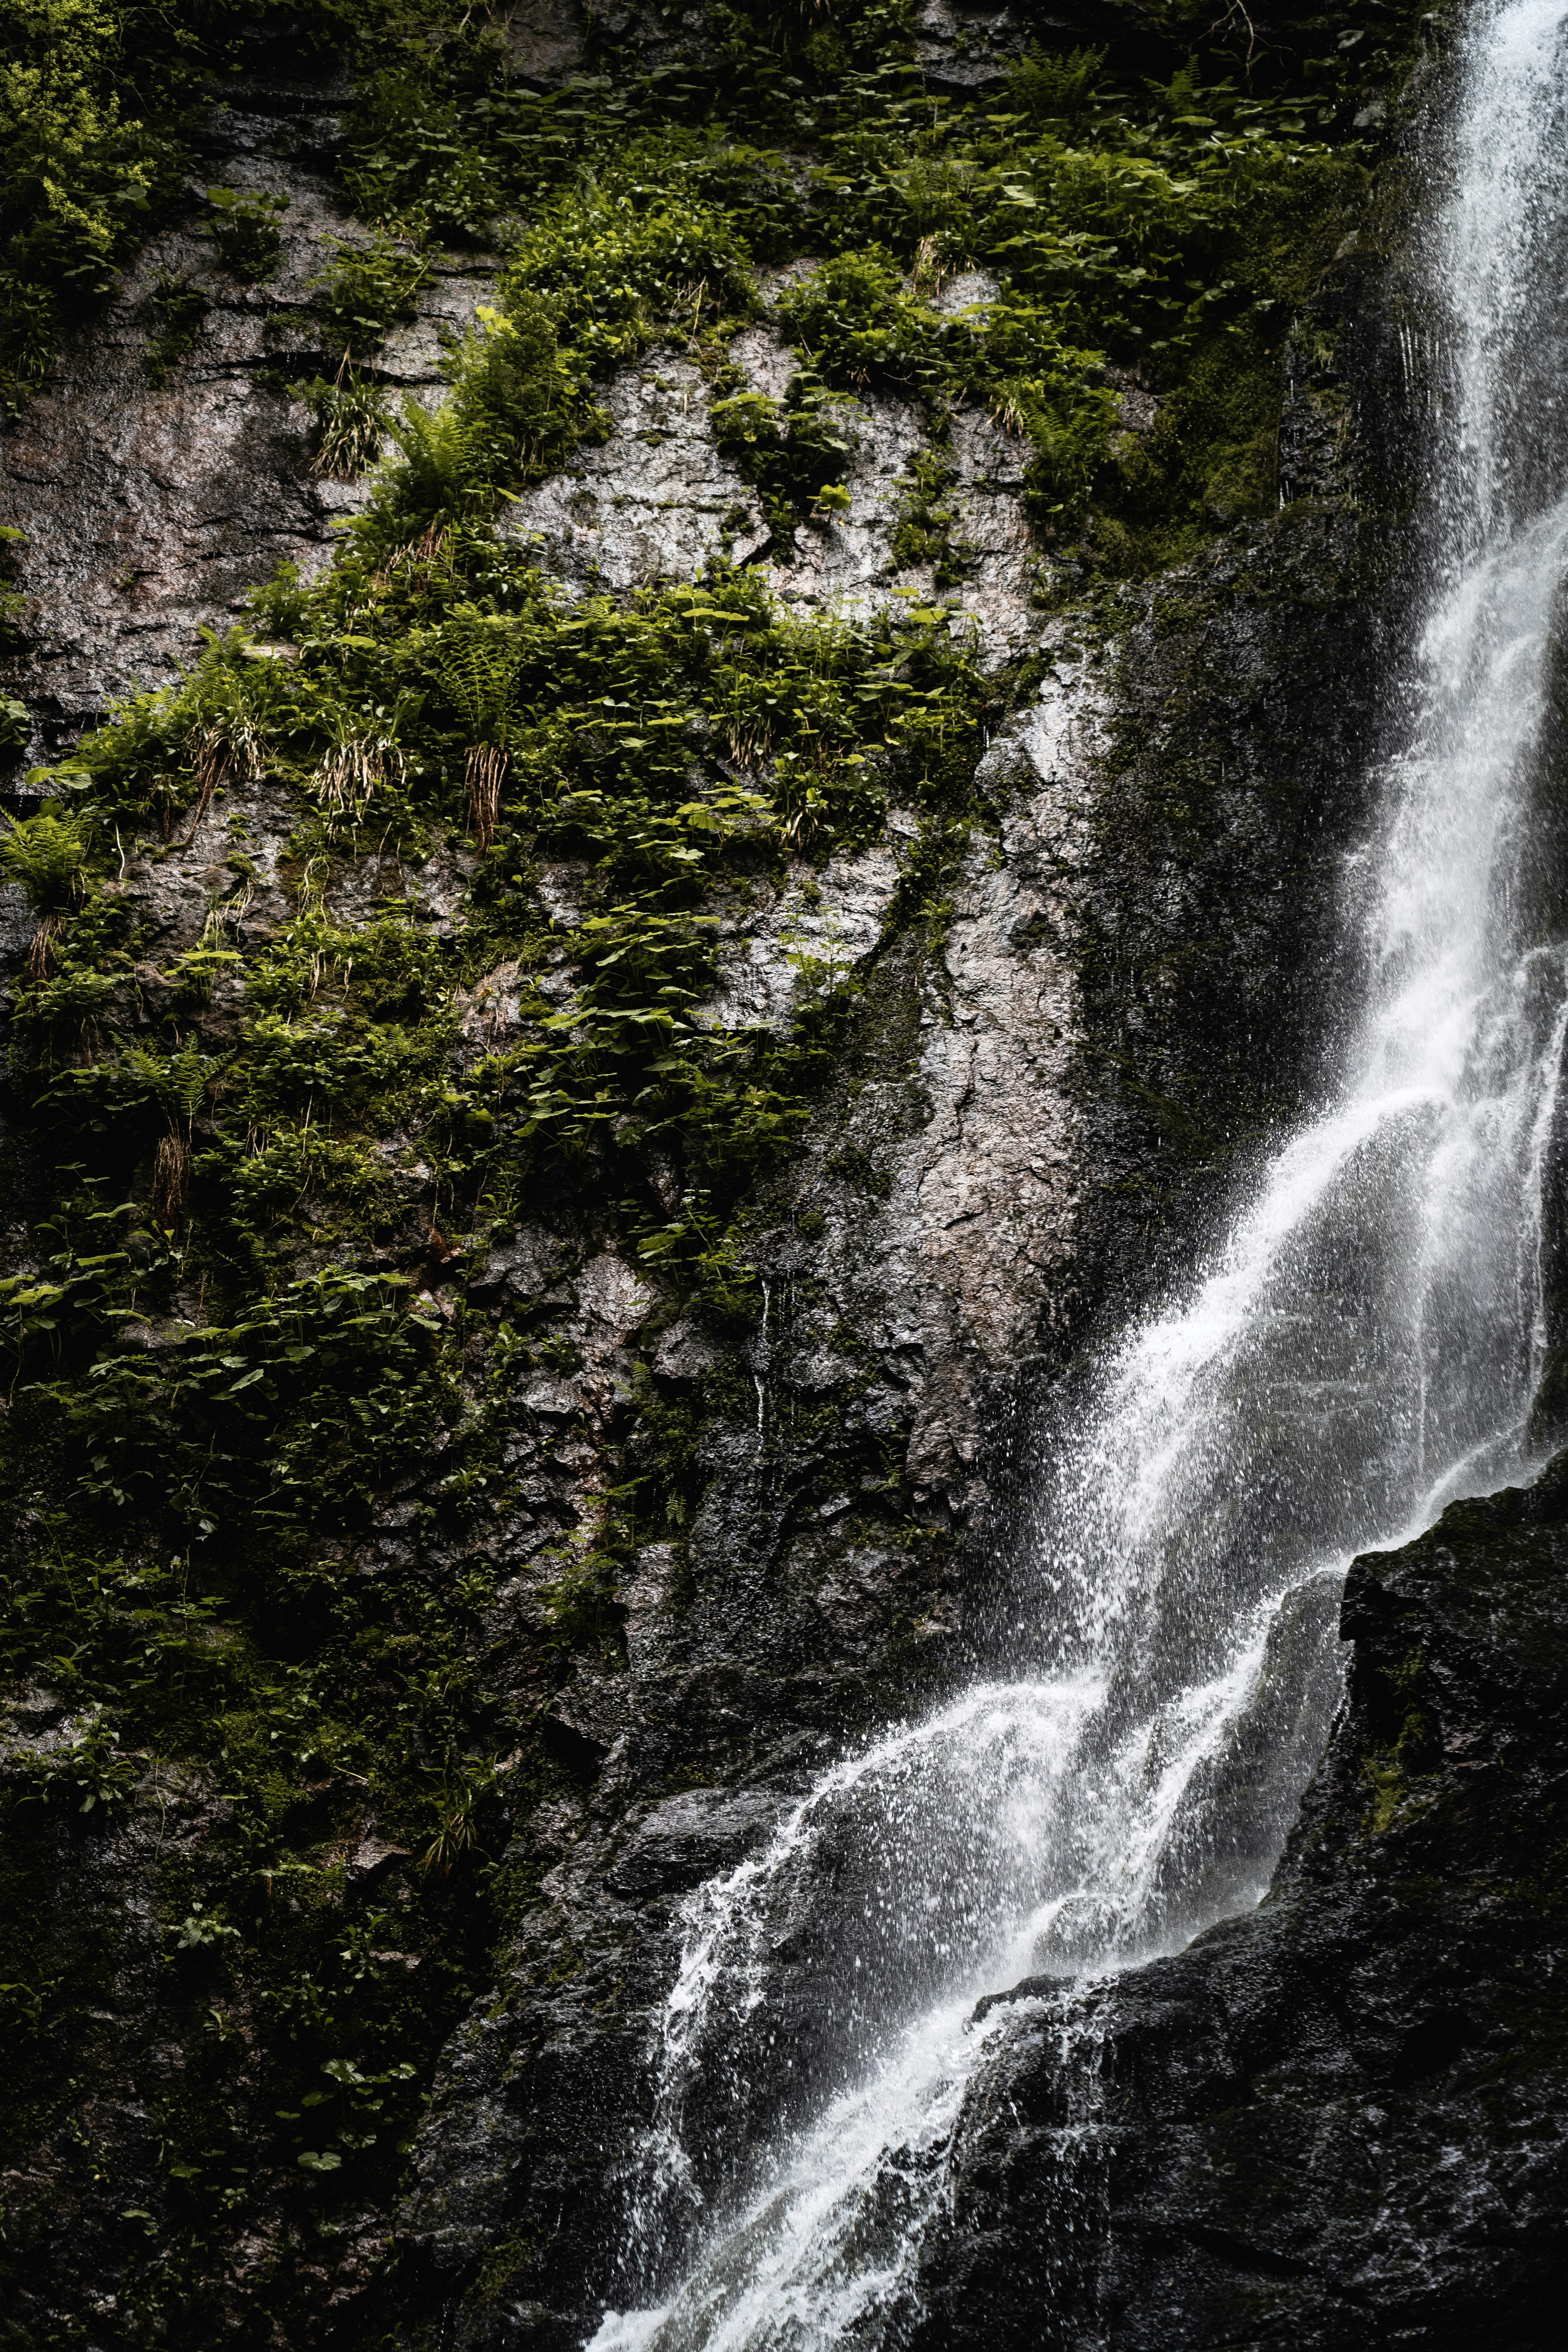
(478, 666)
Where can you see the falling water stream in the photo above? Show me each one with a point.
(1363, 1347)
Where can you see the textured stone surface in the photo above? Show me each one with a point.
(151, 510)
(656, 500)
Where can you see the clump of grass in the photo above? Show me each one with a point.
(351, 420)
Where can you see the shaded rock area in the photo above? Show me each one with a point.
(1342, 2121)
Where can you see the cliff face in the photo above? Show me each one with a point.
(980, 1185)
(548, 1560)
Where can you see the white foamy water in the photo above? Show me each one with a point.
(1364, 1348)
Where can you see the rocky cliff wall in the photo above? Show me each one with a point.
(1067, 973)
(1024, 1128)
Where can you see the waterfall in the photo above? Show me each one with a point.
(1363, 1347)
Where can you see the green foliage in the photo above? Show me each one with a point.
(925, 529)
(294, 1413)
(179, 311)
(459, 1836)
(853, 321)
(516, 410)
(1051, 89)
(794, 451)
(81, 175)
(86, 1773)
(618, 269)
(13, 637)
(242, 223)
(15, 728)
(478, 658)
(46, 854)
(367, 289)
(413, 164)
(580, 1603)
(351, 420)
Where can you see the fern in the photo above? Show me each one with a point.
(46, 853)
(479, 659)
(442, 459)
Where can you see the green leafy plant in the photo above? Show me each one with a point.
(458, 1832)
(478, 666)
(46, 854)
(796, 450)
(15, 728)
(12, 600)
(89, 1774)
(201, 1930)
(927, 528)
(366, 290)
(242, 223)
(180, 311)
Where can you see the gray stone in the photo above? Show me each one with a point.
(655, 501)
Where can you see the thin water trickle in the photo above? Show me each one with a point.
(1362, 1349)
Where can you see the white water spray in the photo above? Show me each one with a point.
(1364, 1348)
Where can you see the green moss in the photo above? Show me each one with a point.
(1391, 1772)
(507, 2257)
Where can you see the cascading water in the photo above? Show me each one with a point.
(1364, 1348)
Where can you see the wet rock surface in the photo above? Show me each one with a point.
(1341, 2121)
